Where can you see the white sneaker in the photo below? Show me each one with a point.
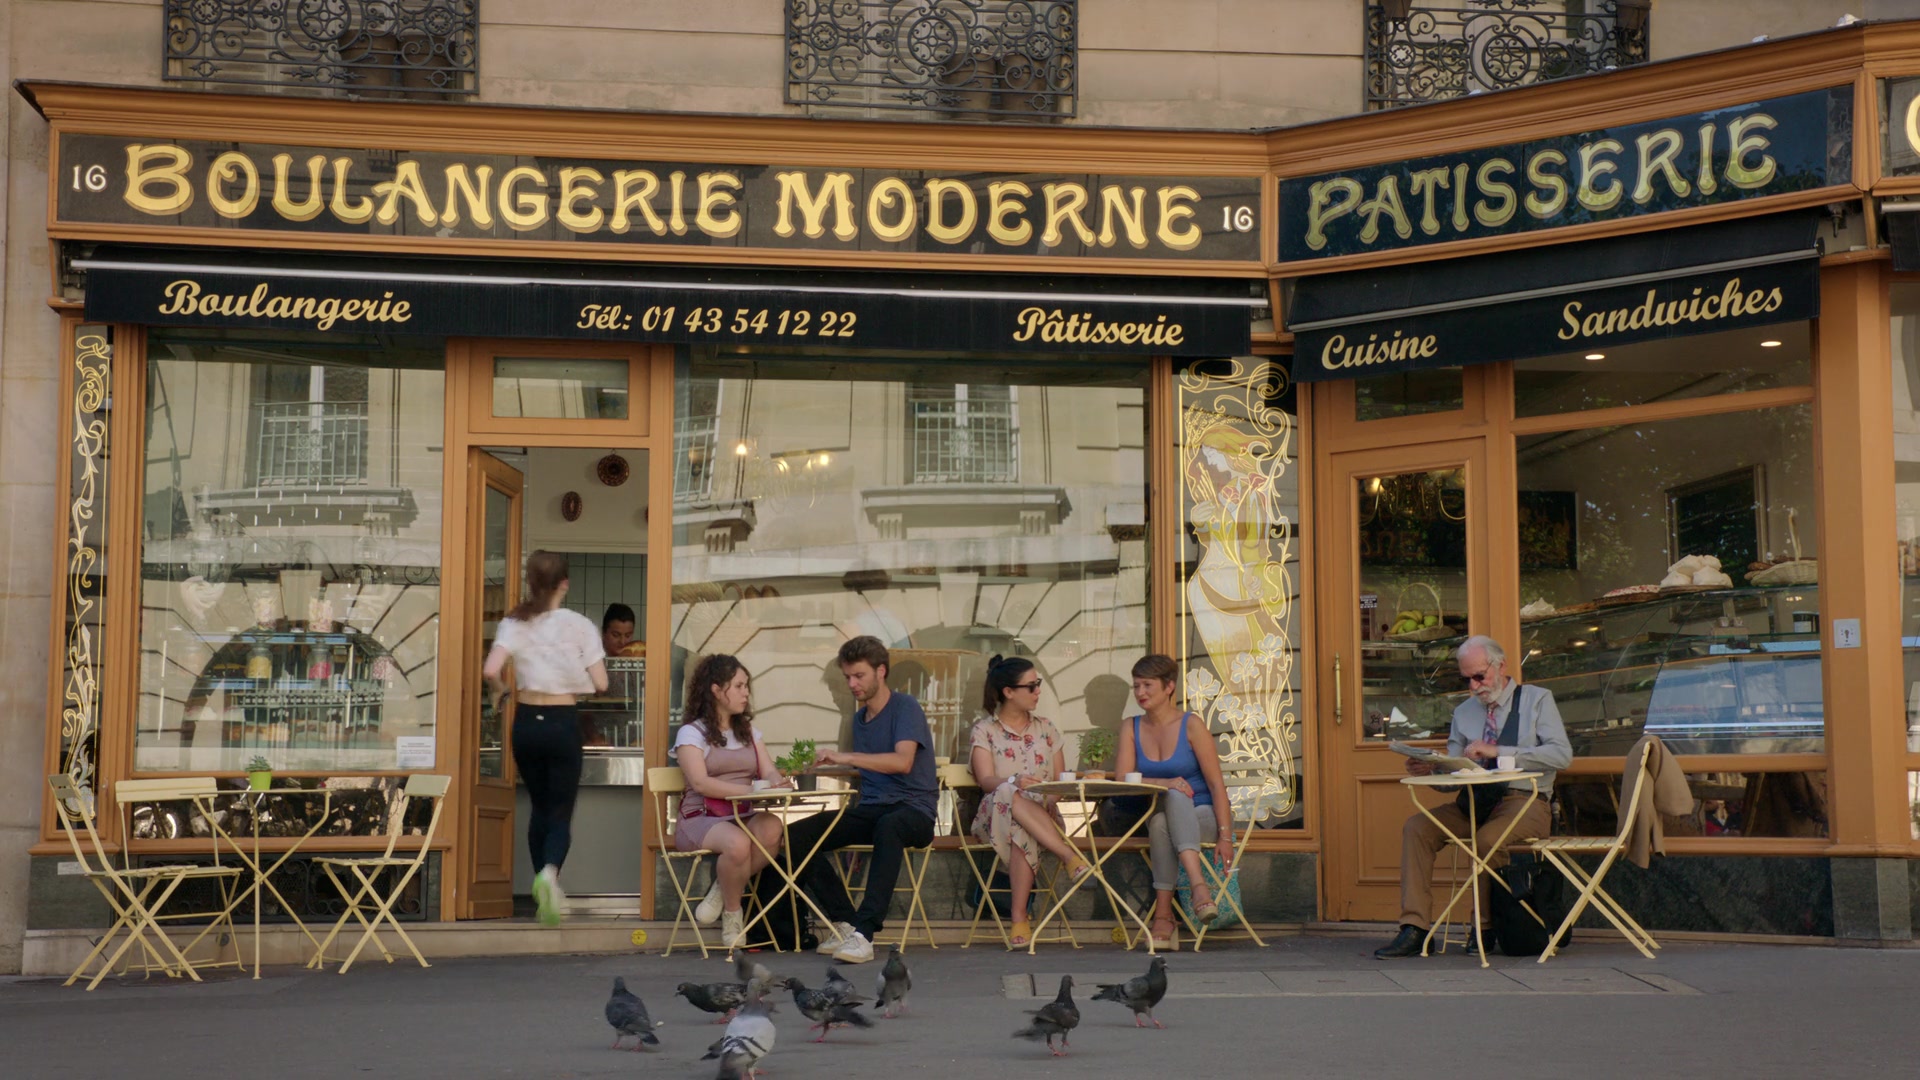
(855, 949)
(730, 930)
(835, 938)
(707, 911)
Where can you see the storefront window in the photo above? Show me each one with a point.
(1409, 393)
(1237, 605)
(952, 507)
(290, 592)
(1686, 367)
(1757, 804)
(1906, 480)
(1669, 581)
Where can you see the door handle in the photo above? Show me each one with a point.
(1336, 690)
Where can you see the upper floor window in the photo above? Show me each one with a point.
(984, 59)
(1429, 52)
(368, 47)
(310, 425)
(964, 433)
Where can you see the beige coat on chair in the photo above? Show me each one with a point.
(1666, 792)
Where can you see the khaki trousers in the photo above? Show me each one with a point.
(1421, 841)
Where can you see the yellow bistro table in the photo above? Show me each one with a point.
(1477, 865)
(781, 802)
(262, 875)
(1091, 791)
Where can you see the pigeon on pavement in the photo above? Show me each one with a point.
(721, 999)
(842, 988)
(891, 990)
(628, 1015)
(749, 1037)
(1056, 1017)
(824, 1010)
(746, 969)
(1140, 993)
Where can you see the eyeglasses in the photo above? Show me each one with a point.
(1033, 686)
(1478, 677)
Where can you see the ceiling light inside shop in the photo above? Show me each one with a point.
(1769, 344)
(1596, 356)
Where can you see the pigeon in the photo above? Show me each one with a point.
(1140, 993)
(891, 989)
(842, 988)
(746, 969)
(1056, 1017)
(824, 1010)
(720, 999)
(749, 1037)
(628, 1015)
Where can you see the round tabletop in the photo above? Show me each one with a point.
(1092, 789)
(787, 794)
(1468, 779)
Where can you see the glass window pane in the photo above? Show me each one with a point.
(560, 389)
(1670, 370)
(1413, 601)
(1906, 489)
(952, 507)
(1662, 594)
(1238, 453)
(290, 597)
(1409, 393)
(1789, 804)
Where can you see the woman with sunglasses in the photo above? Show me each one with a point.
(1013, 749)
(1172, 748)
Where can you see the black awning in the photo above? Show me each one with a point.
(674, 304)
(1543, 301)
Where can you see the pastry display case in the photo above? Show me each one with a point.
(611, 726)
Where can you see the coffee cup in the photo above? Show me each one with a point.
(762, 785)
(1507, 763)
(1066, 777)
(1133, 778)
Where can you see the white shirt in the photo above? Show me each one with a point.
(552, 651)
(695, 734)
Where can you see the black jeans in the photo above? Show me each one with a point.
(890, 827)
(546, 750)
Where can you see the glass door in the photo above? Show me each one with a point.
(1405, 582)
(494, 502)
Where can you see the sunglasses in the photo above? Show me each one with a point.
(1478, 678)
(1034, 685)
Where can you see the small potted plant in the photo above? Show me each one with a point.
(796, 761)
(1097, 747)
(259, 773)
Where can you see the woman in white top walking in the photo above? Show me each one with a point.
(556, 657)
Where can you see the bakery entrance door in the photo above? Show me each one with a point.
(1404, 579)
(485, 888)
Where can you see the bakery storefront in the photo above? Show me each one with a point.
(325, 398)
(1610, 388)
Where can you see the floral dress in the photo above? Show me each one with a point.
(1029, 753)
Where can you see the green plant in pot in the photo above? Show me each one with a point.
(259, 773)
(1097, 747)
(796, 761)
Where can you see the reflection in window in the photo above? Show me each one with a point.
(1628, 621)
(1409, 393)
(1413, 600)
(696, 415)
(1238, 626)
(1906, 489)
(1783, 804)
(573, 389)
(821, 528)
(965, 433)
(1669, 369)
(290, 592)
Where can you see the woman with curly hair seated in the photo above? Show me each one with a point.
(721, 755)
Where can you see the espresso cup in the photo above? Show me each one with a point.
(1066, 777)
(1506, 763)
(762, 785)
(1133, 778)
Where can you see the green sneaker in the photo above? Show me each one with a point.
(547, 895)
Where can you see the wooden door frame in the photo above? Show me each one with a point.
(652, 398)
(472, 586)
(1338, 583)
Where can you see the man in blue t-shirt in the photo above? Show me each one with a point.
(899, 790)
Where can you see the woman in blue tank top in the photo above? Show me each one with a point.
(1173, 749)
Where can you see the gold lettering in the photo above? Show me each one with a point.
(716, 216)
(1328, 199)
(1659, 161)
(1740, 174)
(308, 208)
(888, 193)
(353, 213)
(1176, 206)
(937, 227)
(1595, 197)
(165, 165)
(1065, 201)
(523, 211)
(999, 205)
(225, 167)
(1549, 182)
(836, 189)
(407, 184)
(474, 191)
(1705, 180)
(1509, 204)
(576, 183)
(1460, 197)
(634, 189)
(1386, 199)
(1423, 185)
(1133, 217)
(677, 202)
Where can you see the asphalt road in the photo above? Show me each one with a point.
(1307, 1006)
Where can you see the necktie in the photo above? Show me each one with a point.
(1492, 735)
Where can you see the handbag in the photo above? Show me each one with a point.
(727, 808)
(1229, 912)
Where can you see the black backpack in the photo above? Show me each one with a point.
(1531, 883)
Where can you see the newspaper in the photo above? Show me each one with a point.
(1442, 762)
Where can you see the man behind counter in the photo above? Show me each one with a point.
(616, 628)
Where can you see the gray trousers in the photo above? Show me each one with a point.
(1176, 826)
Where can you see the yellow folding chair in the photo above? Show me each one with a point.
(855, 882)
(665, 786)
(136, 894)
(366, 870)
(1559, 850)
(957, 778)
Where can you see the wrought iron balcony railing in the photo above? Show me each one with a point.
(311, 443)
(1011, 59)
(965, 440)
(374, 48)
(1428, 52)
(694, 441)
